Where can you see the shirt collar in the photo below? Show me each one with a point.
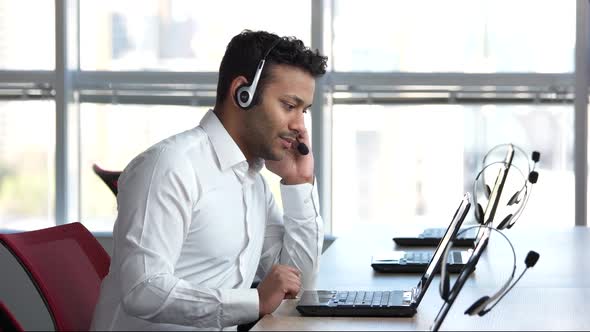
(228, 152)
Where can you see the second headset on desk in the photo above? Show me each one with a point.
(480, 307)
(518, 199)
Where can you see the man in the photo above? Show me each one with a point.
(197, 222)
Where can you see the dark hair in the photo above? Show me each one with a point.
(245, 50)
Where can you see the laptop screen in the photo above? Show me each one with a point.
(496, 192)
(490, 211)
(450, 233)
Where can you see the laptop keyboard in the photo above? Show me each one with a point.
(434, 232)
(424, 257)
(440, 232)
(366, 299)
(418, 256)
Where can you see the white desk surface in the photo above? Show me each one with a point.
(553, 295)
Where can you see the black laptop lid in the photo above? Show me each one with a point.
(451, 233)
(490, 211)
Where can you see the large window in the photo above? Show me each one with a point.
(27, 164)
(417, 92)
(179, 35)
(405, 164)
(27, 34)
(454, 36)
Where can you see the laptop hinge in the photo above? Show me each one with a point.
(415, 292)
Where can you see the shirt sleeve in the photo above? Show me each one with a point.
(295, 236)
(156, 196)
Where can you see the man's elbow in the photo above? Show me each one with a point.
(144, 301)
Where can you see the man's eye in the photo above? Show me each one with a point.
(288, 106)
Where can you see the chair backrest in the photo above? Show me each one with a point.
(110, 178)
(7, 320)
(66, 264)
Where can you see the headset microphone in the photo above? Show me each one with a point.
(531, 258)
(302, 148)
(533, 177)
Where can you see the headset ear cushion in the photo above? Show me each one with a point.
(444, 285)
(509, 226)
(488, 191)
(503, 223)
(242, 96)
(479, 213)
(473, 309)
(514, 199)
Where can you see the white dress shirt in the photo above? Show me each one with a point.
(195, 225)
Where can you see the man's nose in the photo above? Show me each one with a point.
(298, 123)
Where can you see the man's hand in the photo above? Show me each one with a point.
(282, 282)
(294, 168)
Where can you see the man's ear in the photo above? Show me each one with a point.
(237, 83)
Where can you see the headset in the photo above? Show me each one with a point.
(480, 307)
(245, 93)
(522, 195)
(520, 157)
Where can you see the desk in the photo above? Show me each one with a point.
(553, 295)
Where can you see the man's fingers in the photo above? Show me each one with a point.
(296, 281)
(292, 286)
(292, 292)
(291, 278)
(293, 270)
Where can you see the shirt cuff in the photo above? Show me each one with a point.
(240, 306)
(301, 201)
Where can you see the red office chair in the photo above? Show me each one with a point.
(110, 178)
(7, 320)
(66, 264)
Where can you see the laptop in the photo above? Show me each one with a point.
(432, 236)
(399, 261)
(390, 303)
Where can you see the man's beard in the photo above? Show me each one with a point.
(262, 146)
(266, 151)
